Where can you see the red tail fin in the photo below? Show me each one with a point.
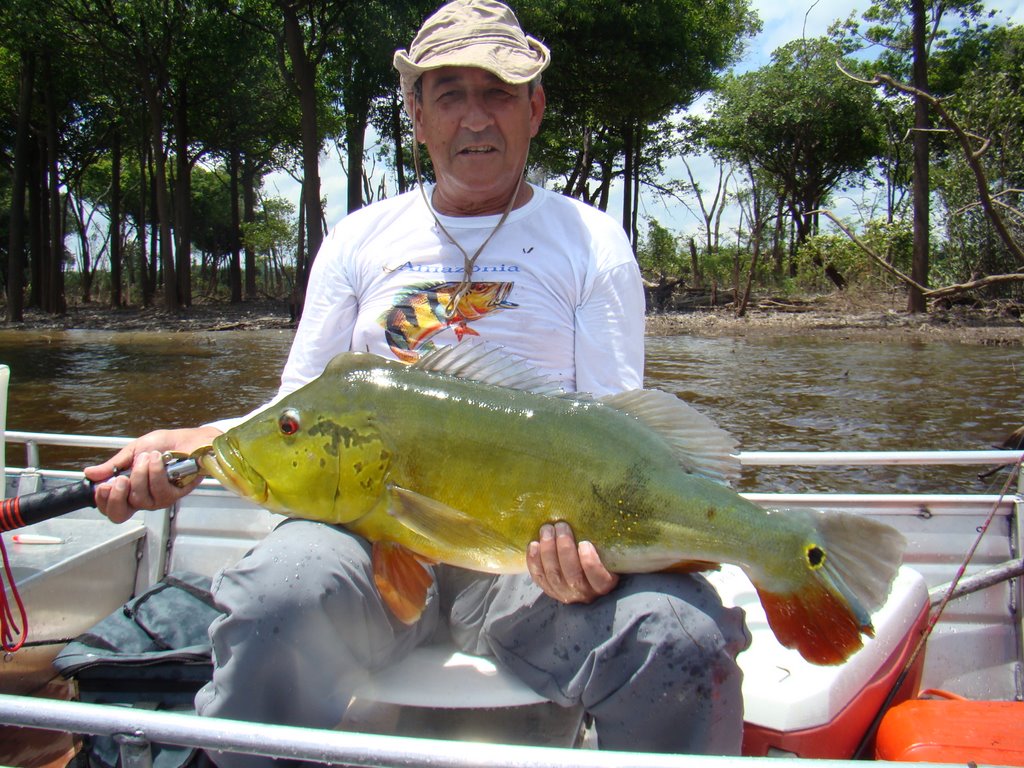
(816, 622)
(841, 570)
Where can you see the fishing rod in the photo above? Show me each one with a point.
(19, 511)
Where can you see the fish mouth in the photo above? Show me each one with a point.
(225, 463)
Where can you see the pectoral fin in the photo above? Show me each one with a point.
(401, 580)
(463, 540)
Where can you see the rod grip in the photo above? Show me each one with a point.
(20, 511)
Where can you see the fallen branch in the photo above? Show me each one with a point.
(928, 293)
(867, 249)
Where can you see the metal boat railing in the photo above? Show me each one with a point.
(993, 458)
(135, 729)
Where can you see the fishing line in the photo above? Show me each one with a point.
(12, 635)
(937, 612)
(469, 262)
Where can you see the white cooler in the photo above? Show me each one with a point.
(794, 707)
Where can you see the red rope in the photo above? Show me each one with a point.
(12, 635)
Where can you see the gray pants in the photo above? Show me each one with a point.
(653, 662)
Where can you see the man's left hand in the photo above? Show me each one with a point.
(567, 572)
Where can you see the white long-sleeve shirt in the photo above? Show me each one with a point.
(557, 285)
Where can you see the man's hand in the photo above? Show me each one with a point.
(567, 572)
(147, 487)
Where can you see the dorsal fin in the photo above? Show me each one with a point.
(488, 364)
(700, 445)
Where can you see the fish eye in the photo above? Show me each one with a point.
(288, 421)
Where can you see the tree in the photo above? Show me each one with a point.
(362, 73)
(659, 259)
(306, 35)
(631, 66)
(908, 30)
(802, 122)
(139, 38)
(239, 112)
(982, 70)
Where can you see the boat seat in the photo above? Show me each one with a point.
(439, 692)
(441, 677)
(791, 706)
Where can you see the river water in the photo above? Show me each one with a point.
(782, 393)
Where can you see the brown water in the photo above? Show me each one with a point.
(773, 394)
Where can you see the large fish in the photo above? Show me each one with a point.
(462, 456)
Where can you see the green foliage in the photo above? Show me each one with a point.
(274, 231)
(659, 254)
(800, 121)
(211, 211)
(893, 241)
(987, 69)
(617, 64)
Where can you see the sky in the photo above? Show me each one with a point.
(782, 22)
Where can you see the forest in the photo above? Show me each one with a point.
(136, 137)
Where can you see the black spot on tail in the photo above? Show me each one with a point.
(815, 556)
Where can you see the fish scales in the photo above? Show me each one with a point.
(434, 467)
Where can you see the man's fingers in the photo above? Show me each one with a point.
(601, 580)
(569, 565)
(549, 563)
(119, 462)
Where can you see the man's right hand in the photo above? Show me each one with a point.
(147, 487)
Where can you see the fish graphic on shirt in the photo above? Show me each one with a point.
(421, 312)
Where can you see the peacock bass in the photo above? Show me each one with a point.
(460, 458)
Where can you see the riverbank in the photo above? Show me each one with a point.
(846, 317)
(834, 316)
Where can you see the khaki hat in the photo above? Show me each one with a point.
(473, 33)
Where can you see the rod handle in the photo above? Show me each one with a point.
(20, 511)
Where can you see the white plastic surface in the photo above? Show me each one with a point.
(439, 676)
(781, 690)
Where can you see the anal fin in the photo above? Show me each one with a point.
(401, 580)
(692, 566)
(816, 622)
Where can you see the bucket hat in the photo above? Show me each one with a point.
(473, 33)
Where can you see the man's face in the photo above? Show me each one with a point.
(477, 129)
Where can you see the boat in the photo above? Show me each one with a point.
(87, 568)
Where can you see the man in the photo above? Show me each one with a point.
(480, 253)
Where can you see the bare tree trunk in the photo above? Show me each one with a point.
(627, 181)
(162, 208)
(356, 118)
(249, 216)
(919, 267)
(146, 285)
(304, 73)
(398, 137)
(183, 199)
(115, 220)
(235, 266)
(53, 274)
(16, 239)
(37, 220)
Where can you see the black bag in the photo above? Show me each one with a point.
(153, 653)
